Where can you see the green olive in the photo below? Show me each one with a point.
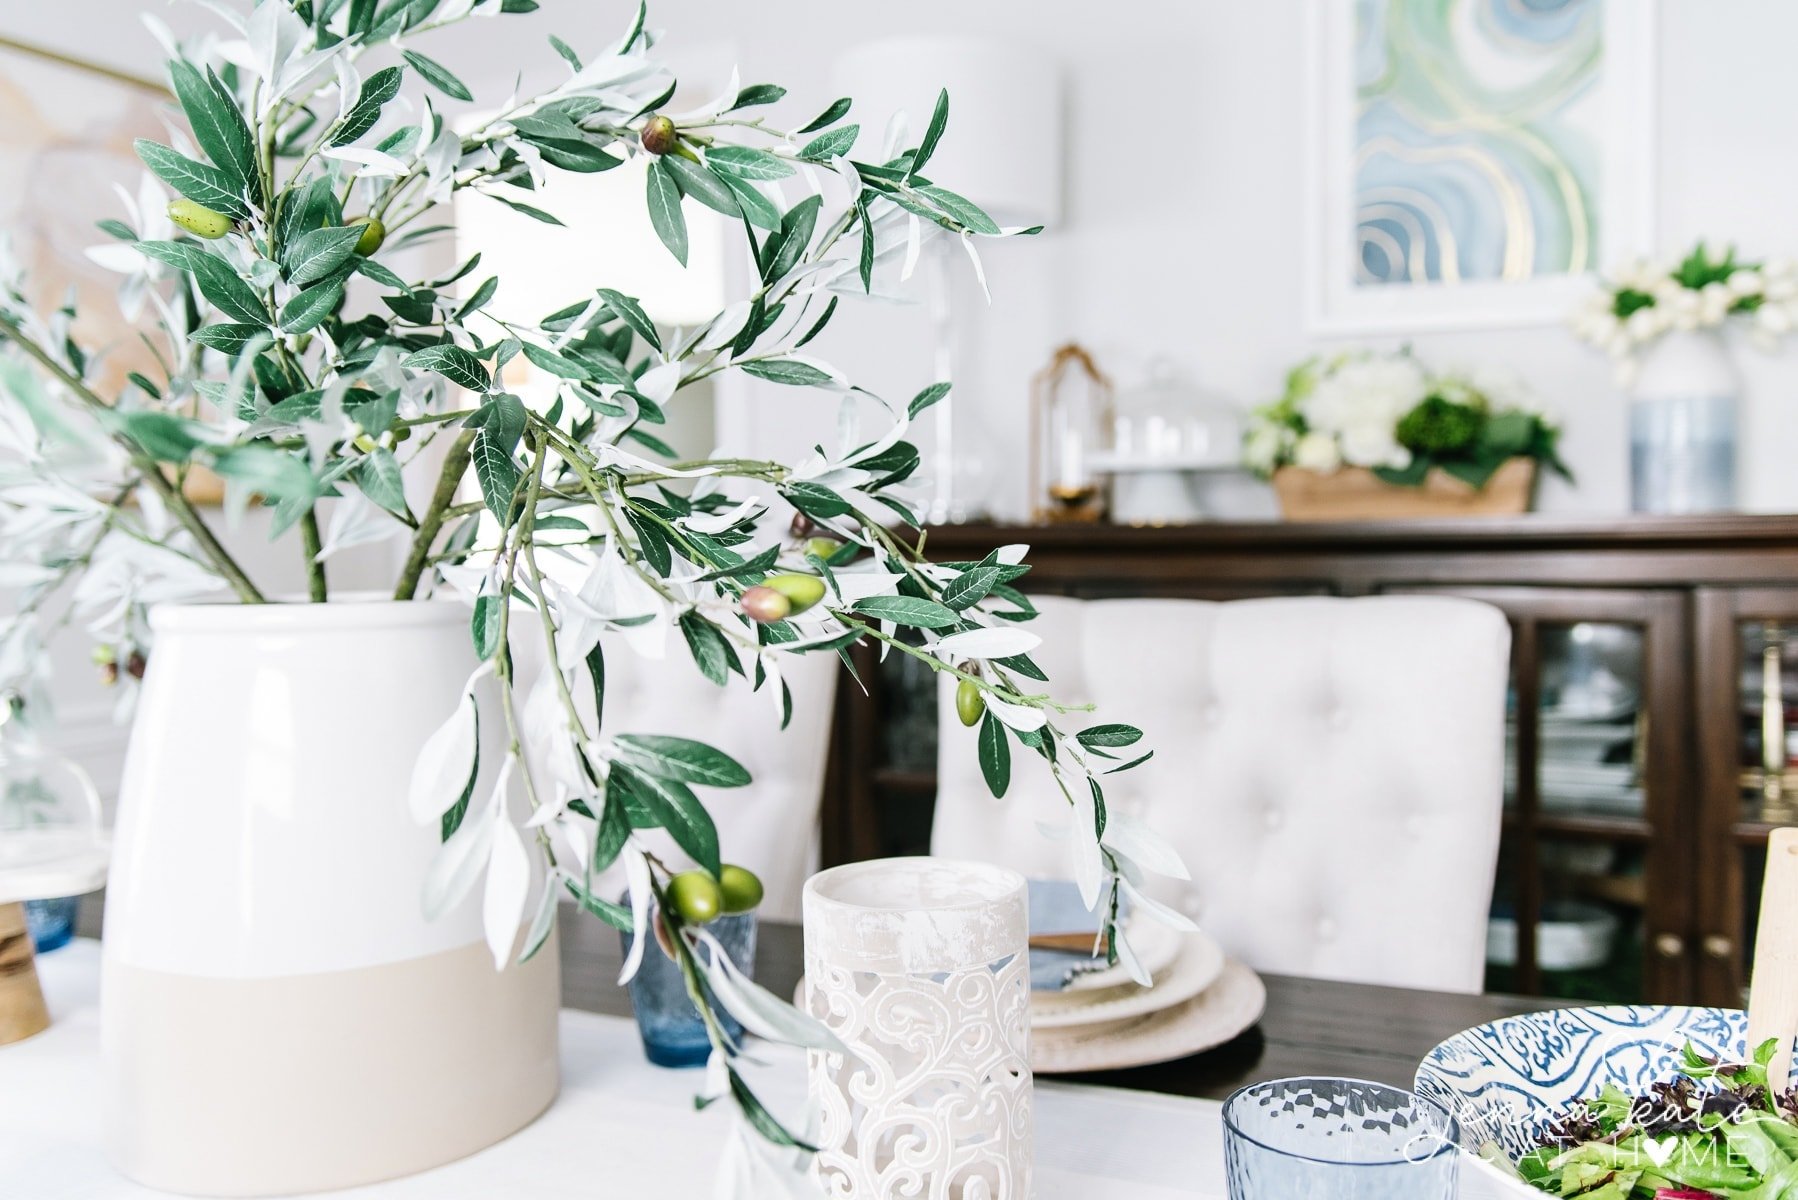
(822, 547)
(970, 705)
(373, 234)
(802, 590)
(696, 897)
(199, 220)
(659, 135)
(765, 605)
(741, 887)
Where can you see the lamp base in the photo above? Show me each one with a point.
(22, 1011)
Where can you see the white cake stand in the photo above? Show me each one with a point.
(41, 863)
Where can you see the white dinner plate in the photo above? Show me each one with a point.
(1197, 963)
(1213, 1017)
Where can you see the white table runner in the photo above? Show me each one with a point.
(620, 1127)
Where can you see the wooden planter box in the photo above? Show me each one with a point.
(1356, 494)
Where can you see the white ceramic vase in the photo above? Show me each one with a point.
(278, 1016)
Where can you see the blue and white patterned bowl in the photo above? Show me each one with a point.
(1505, 1081)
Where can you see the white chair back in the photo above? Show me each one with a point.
(1330, 769)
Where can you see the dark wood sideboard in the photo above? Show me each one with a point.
(1654, 727)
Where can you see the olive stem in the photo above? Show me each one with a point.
(455, 464)
(312, 546)
(178, 504)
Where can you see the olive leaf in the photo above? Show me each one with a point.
(680, 758)
(995, 755)
(200, 183)
(226, 289)
(757, 209)
(453, 363)
(376, 91)
(827, 146)
(379, 477)
(229, 338)
(837, 111)
(907, 610)
(671, 805)
(756, 93)
(628, 310)
(939, 120)
(319, 252)
(218, 126)
(789, 372)
(497, 473)
(664, 211)
(708, 647)
(926, 398)
(437, 75)
(746, 162)
(703, 185)
(310, 307)
(959, 208)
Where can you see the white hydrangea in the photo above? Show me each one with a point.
(1317, 452)
(1360, 403)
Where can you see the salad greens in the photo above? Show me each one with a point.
(1714, 1132)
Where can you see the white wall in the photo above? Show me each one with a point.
(1181, 233)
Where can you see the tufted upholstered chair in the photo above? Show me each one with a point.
(1330, 769)
(771, 826)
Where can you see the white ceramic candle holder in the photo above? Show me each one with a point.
(920, 967)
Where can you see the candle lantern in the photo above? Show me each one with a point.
(919, 966)
(1070, 426)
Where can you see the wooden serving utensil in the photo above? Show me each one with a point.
(1083, 942)
(1773, 988)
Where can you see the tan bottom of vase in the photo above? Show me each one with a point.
(252, 1087)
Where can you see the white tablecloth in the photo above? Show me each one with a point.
(621, 1127)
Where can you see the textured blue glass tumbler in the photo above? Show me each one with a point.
(1344, 1139)
(51, 923)
(673, 1033)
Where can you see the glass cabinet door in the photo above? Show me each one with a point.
(1582, 903)
(1748, 725)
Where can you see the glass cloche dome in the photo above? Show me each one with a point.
(1168, 433)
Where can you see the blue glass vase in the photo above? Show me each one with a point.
(1682, 426)
(673, 1032)
(51, 923)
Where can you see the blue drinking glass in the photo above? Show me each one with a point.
(51, 923)
(673, 1032)
(1345, 1139)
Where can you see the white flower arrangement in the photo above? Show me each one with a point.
(1645, 300)
(1389, 414)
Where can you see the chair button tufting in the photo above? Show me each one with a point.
(1214, 713)
(1274, 818)
(1414, 825)
(1339, 717)
(1326, 929)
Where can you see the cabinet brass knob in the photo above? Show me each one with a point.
(1669, 945)
(1718, 946)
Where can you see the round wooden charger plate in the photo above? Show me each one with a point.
(1196, 965)
(1213, 1017)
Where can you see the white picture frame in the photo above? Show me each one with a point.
(1337, 306)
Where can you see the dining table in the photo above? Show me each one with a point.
(622, 1127)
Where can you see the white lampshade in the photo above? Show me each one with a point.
(1003, 146)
